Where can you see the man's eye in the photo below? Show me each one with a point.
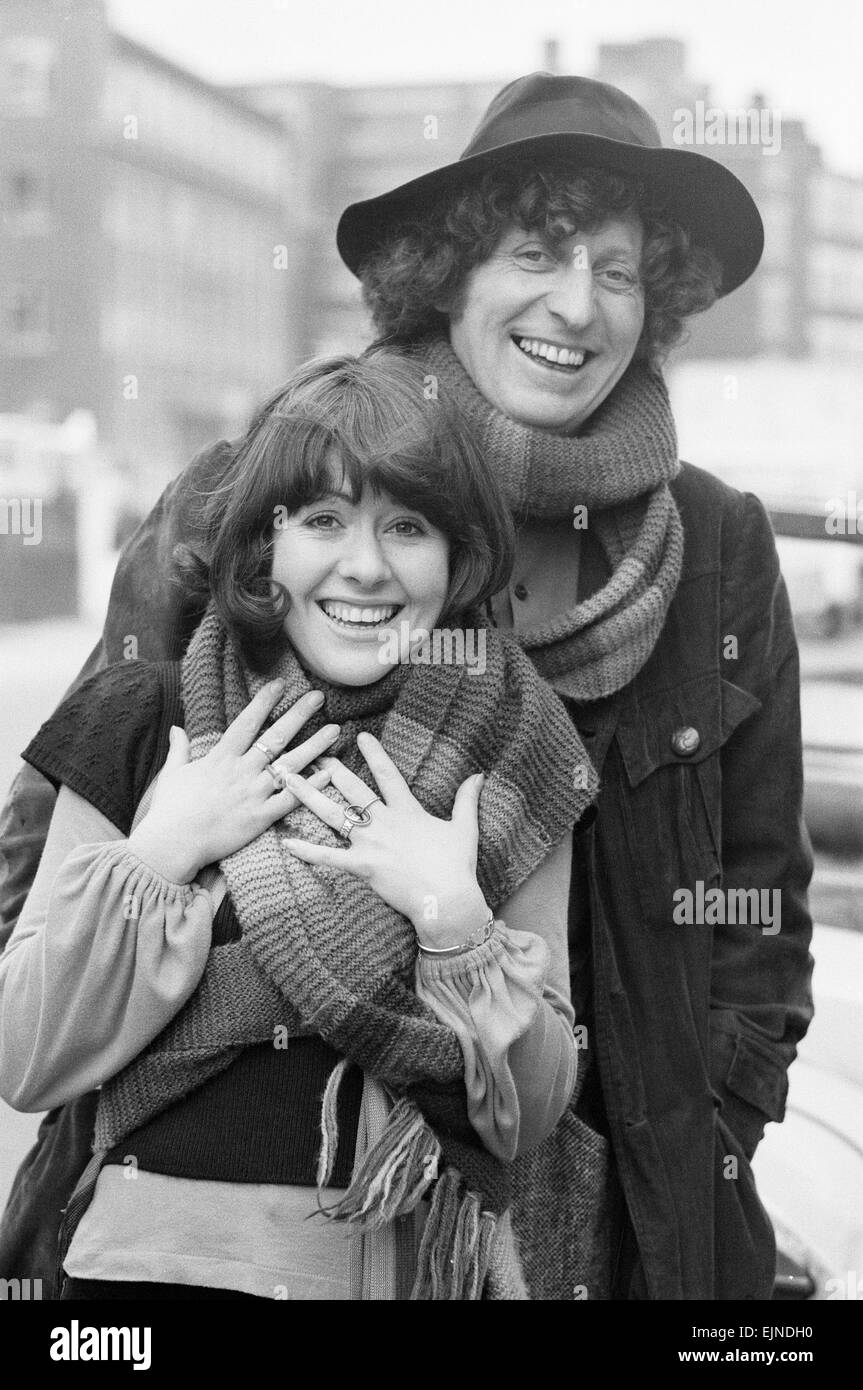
(619, 277)
(534, 255)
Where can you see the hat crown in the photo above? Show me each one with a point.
(544, 104)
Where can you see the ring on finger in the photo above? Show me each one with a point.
(354, 816)
(268, 753)
(278, 777)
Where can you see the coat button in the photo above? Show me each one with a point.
(520, 591)
(685, 741)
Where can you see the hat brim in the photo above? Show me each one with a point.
(700, 193)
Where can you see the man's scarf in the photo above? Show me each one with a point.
(323, 953)
(619, 469)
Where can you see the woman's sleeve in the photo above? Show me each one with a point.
(103, 956)
(508, 1002)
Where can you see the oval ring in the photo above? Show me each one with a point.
(278, 777)
(358, 815)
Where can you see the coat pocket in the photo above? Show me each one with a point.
(670, 744)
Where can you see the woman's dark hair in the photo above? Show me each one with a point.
(379, 415)
(426, 259)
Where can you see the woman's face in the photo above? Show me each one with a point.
(547, 330)
(354, 570)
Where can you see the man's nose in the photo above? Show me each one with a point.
(572, 296)
(363, 558)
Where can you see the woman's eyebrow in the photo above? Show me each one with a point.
(325, 496)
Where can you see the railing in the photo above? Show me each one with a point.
(812, 526)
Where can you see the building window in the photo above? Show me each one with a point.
(778, 217)
(837, 337)
(775, 310)
(26, 206)
(25, 319)
(26, 75)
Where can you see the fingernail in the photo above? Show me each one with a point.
(277, 685)
(171, 732)
(316, 698)
(480, 779)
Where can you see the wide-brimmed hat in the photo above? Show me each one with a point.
(589, 123)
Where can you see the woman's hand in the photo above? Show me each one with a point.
(423, 867)
(205, 810)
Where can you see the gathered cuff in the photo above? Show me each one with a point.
(141, 875)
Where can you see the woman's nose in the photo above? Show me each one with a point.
(572, 296)
(363, 559)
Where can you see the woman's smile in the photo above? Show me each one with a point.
(361, 620)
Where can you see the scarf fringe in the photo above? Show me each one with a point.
(456, 1246)
(392, 1178)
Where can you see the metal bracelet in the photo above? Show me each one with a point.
(478, 937)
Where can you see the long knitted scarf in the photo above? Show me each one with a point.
(619, 469)
(323, 953)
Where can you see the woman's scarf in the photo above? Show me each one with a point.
(619, 469)
(322, 950)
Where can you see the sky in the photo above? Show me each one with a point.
(806, 58)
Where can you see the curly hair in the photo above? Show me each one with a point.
(426, 259)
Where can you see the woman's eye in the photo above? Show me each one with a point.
(323, 521)
(407, 528)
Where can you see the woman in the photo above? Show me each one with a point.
(543, 276)
(167, 964)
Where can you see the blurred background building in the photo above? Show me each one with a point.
(143, 210)
(169, 243)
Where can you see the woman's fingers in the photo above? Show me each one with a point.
(242, 731)
(283, 730)
(320, 854)
(279, 803)
(248, 727)
(178, 748)
(392, 785)
(353, 788)
(466, 805)
(322, 806)
(306, 752)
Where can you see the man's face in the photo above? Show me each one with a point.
(546, 330)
